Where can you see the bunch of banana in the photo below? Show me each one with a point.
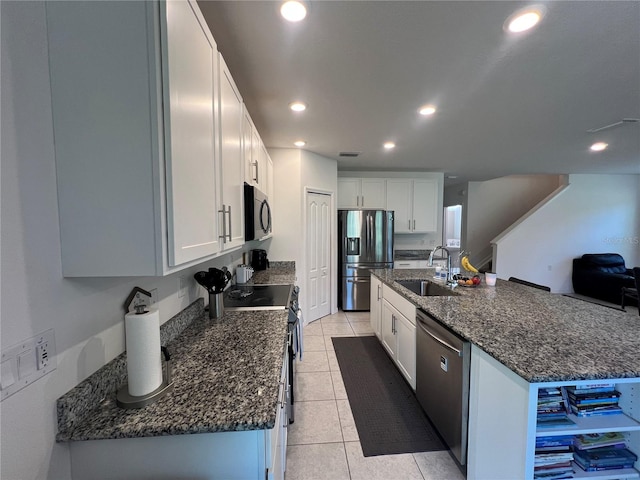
(464, 261)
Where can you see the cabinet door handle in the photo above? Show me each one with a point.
(378, 292)
(224, 224)
(255, 164)
(230, 230)
(362, 197)
(414, 224)
(393, 324)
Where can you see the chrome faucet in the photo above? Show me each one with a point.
(440, 247)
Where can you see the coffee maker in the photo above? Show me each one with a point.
(259, 260)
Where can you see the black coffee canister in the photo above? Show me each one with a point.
(259, 260)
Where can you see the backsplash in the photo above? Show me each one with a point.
(77, 403)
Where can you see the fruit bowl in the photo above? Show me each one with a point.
(472, 280)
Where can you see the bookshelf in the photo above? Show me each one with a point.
(627, 422)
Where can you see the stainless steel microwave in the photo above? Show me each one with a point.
(257, 214)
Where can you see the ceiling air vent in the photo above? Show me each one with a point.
(349, 154)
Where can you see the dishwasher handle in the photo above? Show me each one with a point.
(439, 340)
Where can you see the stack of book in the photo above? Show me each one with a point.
(602, 451)
(604, 458)
(553, 457)
(553, 408)
(589, 441)
(593, 400)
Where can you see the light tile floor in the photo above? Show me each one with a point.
(323, 441)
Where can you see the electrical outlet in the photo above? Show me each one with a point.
(26, 362)
(42, 355)
(154, 296)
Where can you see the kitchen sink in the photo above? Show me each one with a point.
(426, 288)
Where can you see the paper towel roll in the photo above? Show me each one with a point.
(144, 366)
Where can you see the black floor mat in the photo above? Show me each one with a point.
(388, 416)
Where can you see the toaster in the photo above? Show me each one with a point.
(243, 273)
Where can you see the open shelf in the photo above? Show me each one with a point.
(605, 474)
(596, 424)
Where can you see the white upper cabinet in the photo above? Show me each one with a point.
(362, 193)
(189, 134)
(269, 164)
(425, 194)
(415, 203)
(258, 166)
(231, 211)
(132, 86)
(255, 156)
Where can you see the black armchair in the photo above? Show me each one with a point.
(632, 293)
(602, 276)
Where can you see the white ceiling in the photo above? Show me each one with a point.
(506, 104)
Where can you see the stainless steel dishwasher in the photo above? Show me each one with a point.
(442, 381)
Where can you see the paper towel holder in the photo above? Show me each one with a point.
(132, 295)
(125, 400)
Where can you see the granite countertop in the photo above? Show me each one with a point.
(540, 336)
(278, 273)
(226, 376)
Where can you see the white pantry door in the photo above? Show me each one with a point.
(318, 295)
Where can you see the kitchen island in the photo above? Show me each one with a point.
(524, 339)
(223, 418)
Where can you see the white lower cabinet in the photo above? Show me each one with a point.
(398, 333)
(375, 309)
(388, 329)
(278, 436)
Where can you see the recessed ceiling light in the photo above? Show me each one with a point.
(524, 19)
(293, 11)
(300, 143)
(427, 110)
(389, 145)
(297, 106)
(599, 146)
(452, 176)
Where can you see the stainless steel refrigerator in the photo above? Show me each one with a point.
(365, 242)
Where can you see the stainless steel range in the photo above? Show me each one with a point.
(258, 297)
(272, 297)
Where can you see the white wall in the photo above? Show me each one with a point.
(409, 241)
(86, 314)
(295, 173)
(493, 205)
(286, 242)
(595, 214)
